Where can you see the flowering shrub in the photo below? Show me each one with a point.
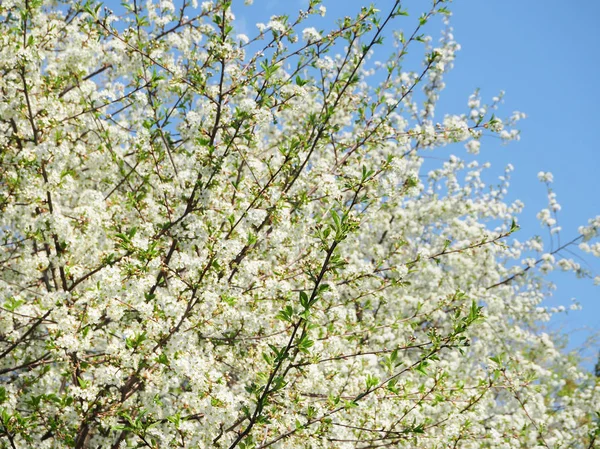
(219, 240)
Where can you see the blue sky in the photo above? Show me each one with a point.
(544, 55)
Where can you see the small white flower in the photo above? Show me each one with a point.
(311, 34)
(243, 39)
(207, 6)
(473, 146)
(276, 25)
(545, 177)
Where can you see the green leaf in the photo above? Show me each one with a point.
(285, 314)
(421, 367)
(135, 341)
(82, 383)
(497, 359)
(304, 300)
(371, 381)
(300, 82)
(304, 344)
(13, 304)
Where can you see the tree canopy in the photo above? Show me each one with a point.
(217, 240)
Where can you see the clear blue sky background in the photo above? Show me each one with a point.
(545, 55)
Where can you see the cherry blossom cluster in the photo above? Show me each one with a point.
(214, 239)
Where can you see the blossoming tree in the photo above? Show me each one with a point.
(214, 240)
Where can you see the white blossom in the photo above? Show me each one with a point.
(215, 240)
(311, 34)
